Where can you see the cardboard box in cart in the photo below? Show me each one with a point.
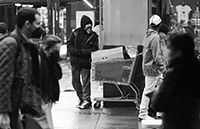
(108, 54)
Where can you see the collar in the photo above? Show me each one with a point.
(22, 38)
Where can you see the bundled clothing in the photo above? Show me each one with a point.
(178, 96)
(153, 58)
(80, 46)
(51, 72)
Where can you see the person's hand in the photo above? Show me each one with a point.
(4, 121)
(150, 94)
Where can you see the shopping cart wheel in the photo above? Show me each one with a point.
(97, 105)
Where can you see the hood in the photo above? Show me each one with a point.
(85, 20)
(150, 32)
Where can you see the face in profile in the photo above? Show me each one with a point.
(88, 28)
(56, 48)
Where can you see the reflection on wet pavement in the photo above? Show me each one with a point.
(67, 116)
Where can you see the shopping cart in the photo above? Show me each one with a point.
(119, 72)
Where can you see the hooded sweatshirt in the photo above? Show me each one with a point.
(85, 20)
(153, 60)
(81, 44)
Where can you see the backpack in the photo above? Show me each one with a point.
(18, 44)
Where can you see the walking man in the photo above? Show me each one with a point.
(82, 42)
(18, 57)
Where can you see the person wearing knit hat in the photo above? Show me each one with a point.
(81, 43)
(153, 64)
(3, 29)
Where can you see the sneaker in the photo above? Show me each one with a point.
(145, 118)
(79, 103)
(90, 102)
(85, 105)
(158, 115)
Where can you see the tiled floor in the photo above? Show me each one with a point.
(67, 116)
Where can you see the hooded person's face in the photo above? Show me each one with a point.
(88, 28)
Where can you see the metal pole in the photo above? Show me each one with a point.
(50, 16)
(100, 23)
(56, 17)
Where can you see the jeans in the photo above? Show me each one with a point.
(83, 90)
(150, 83)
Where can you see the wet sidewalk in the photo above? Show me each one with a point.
(67, 116)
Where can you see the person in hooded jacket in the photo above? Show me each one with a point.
(50, 74)
(178, 95)
(81, 43)
(153, 64)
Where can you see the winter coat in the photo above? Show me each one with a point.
(13, 69)
(51, 72)
(15, 58)
(153, 60)
(80, 45)
(179, 94)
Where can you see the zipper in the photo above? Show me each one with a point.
(88, 40)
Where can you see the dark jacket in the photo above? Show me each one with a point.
(51, 72)
(13, 69)
(18, 68)
(80, 45)
(179, 94)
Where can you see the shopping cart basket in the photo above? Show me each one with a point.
(119, 72)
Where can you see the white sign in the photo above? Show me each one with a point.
(79, 14)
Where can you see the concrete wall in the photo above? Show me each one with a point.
(124, 22)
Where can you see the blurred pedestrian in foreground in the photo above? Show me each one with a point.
(19, 68)
(178, 96)
(51, 72)
(80, 45)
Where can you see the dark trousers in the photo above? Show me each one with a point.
(83, 90)
(15, 122)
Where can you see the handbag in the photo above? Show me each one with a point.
(46, 121)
